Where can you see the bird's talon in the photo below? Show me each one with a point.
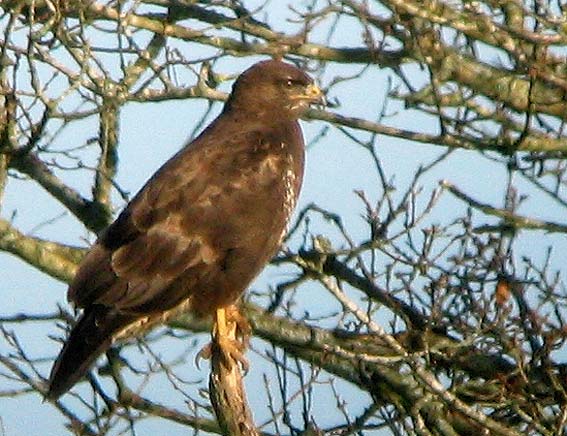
(231, 351)
(243, 330)
(205, 353)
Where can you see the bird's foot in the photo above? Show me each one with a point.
(243, 330)
(231, 336)
(229, 351)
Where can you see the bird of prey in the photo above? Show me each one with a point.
(203, 226)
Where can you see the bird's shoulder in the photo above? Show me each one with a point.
(201, 171)
(167, 225)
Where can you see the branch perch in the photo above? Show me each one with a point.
(227, 392)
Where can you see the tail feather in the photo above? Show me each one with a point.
(90, 337)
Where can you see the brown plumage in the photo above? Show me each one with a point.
(202, 227)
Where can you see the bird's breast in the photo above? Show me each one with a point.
(290, 187)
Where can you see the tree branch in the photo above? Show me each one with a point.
(94, 215)
(58, 260)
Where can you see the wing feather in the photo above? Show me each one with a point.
(162, 233)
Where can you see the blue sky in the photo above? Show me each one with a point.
(151, 133)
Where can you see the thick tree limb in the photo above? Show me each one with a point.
(226, 387)
(95, 216)
(57, 260)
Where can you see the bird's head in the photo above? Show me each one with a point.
(276, 89)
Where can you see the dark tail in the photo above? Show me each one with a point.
(90, 337)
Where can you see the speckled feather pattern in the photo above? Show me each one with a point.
(200, 229)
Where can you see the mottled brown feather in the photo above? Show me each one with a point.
(202, 227)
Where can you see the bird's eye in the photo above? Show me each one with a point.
(289, 83)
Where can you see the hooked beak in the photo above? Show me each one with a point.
(312, 94)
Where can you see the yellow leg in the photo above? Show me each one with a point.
(224, 339)
(220, 324)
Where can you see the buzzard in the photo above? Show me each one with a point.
(202, 227)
